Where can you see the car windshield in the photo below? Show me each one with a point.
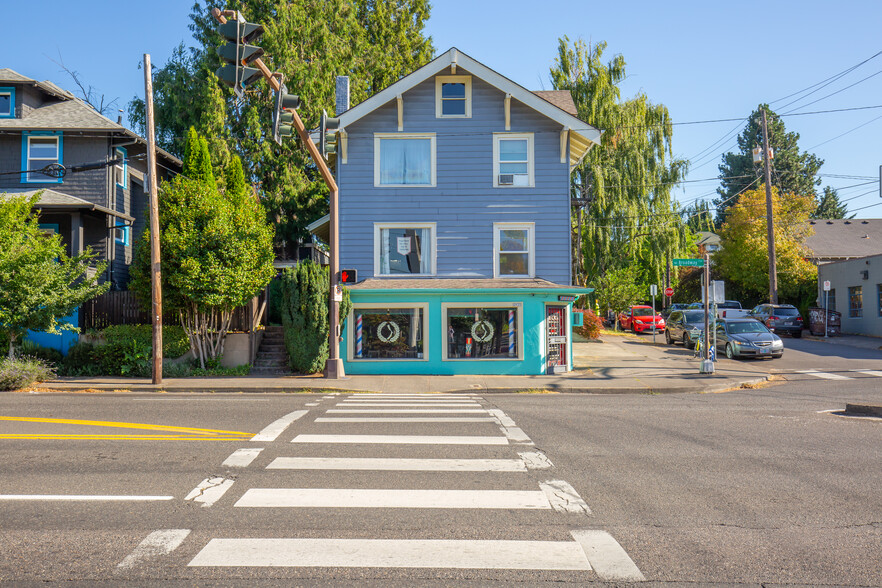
(729, 304)
(786, 311)
(694, 316)
(747, 327)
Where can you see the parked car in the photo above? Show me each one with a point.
(731, 309)
(684, 326)
(676, 306)
(779, 318)
(747, 338)
(640, 318)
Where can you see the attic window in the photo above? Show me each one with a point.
(453, 97)
(7, 102)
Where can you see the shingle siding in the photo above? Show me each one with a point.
(464, 203)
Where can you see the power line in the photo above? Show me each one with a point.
(837, 91)
(824, 83)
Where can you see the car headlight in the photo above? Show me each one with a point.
(639, 322)
(778, 344)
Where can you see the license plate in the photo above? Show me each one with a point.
(764, 350)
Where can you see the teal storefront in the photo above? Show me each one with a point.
(459, 330)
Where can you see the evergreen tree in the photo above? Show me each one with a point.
(197, 161)
(794, 172)
(627, 180)
(698, 217)
(829, 205)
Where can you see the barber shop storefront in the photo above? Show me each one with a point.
(459, 327)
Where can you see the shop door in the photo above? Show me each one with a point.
(556, 334)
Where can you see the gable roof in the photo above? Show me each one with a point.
(11, 76)
(583, 136)
(54, 200)
(563, 99)
(844, 238)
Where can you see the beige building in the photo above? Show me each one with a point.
(855, 292)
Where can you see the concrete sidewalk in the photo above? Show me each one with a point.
(615, 365)
(860, 341)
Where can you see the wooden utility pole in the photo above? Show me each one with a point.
(155, 273)
(770, 221)
(334, 366)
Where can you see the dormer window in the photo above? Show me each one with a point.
(453, 97)
(7, 102)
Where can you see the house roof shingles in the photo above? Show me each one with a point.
(563, 99)
(844, 238)
(460, 284)
(54, 200)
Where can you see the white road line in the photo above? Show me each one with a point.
(402, 439)
(209, 491)
(405, 420)
(310, 404)
(406, 405)
(607, 557)
(407, 410)
(271, 432)
(535, 460)
(394, 553)
(155, 544)
(824, 375)
(84, 497)
(392, 498)
(501, 417)
(509, 429)
(242, 458)
(397, 464)
(416, 400)
(563, 497)
(876, 373)
(424, 395)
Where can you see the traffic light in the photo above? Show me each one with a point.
(348, 276)
(328, 135)
(238, 54)
(283, 119)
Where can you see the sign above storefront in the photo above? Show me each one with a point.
(566, 298)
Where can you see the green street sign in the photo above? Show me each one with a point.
(689, 262)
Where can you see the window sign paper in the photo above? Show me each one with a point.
(404, 245)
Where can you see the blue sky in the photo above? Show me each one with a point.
(703, 60)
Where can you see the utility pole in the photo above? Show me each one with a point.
(155, 271)
(770, 221)
(334, 365)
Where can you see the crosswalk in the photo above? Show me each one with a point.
(521, 481)
(854, 374)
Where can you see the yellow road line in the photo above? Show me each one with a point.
(188, 430)
(37, 436)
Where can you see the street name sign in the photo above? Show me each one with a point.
(688, 262)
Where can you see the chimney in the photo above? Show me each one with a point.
(119, 117)
(342, 94)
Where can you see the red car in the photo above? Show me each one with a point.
(640, 319)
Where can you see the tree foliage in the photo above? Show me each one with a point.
(216, 253)
(698, 217)
(310, 43)
(829, 205)
(618, 289)
(794, 172)
(41, 284)
(743, 257)
(305, 315)
(626, 181)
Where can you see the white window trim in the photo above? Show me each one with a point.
(378, 244)
(531, 160)
(439, 81)
(350, 325)
(531, 240)
(517, 306)
(28, 159)
(379, 136)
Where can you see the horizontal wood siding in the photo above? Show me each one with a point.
(464, 203)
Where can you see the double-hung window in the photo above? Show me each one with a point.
(514, 246)
(855, 302)
(123, 234)
(120, 170)
(7, 102)
(404, 160)
(404, 249)
(40, 149)
(453, 97)
(513, 159)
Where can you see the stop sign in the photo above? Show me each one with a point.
(669, 292)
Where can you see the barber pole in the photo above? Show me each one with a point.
(511, 333)
(358, 336)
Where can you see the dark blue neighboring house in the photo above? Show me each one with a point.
(455, 211)
(104, 208)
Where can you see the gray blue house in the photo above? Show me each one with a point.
(455, 212)
(103, 207)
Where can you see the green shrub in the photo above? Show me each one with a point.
(591, 324)
(80, 361)
(48, 355)
(21, 372)
(175, 342)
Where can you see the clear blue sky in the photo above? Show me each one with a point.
(703, 60)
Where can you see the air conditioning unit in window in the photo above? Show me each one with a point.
(506, 179)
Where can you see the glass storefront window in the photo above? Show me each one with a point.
(482, 333)
(387, 333)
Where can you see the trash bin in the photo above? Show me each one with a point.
(816, 322)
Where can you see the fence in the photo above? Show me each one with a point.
(120, 307)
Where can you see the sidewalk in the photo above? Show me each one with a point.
(860, 341)
(617, 365)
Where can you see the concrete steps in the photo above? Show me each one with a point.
(272, 359)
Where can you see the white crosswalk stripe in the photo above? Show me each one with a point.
(402, 439)
(823, 375)
(875, 373)
(398, 464)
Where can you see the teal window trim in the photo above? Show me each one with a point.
(126, 238)
(53, 226)
(125, 166)
(11, 92)
(25, 136)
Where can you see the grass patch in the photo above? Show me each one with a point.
(618, 333)
(537, 391)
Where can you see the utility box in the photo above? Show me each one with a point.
(816, 322)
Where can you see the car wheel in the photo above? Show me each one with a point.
(668, 339)
(729, 352)
(686, 341)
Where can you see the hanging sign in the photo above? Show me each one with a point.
(403, 245)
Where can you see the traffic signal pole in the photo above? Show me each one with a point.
(334, 365)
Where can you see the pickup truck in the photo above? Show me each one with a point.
(728, 309)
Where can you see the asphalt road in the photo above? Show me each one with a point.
(764, 486)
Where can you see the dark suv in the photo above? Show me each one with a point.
(684, 326)
(780, 318)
